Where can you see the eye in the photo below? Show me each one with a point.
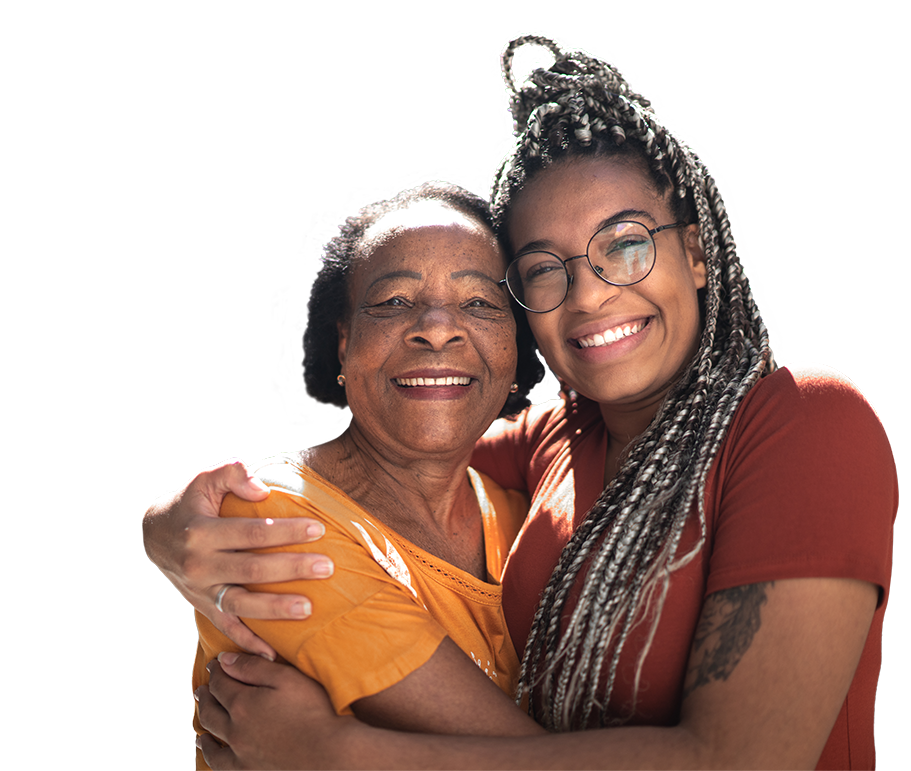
(538, 266)
(627, 244)
(387, 307)
(479, 302)
(485, 307)
(630, 253)
(392, 302)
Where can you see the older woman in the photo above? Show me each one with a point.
(409, 326)
(706, 564)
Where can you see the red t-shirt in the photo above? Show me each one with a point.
(804, 485)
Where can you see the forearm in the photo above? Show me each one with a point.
(155, 535)
(774, 706)
(360, 746)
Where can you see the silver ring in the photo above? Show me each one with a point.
(220, 596)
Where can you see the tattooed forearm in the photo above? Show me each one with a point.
(729, 621)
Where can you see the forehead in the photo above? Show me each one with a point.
(581, 193)
(429, 231)
(420, 215)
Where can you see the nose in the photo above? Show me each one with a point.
(587, 291)
(437, 327)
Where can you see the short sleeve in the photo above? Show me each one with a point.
(367, 632)
(502, 453)
(804, 486)
(510, 452)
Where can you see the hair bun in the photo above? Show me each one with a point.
(573, 76)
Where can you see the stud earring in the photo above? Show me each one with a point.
(341, 380)
(514, 388)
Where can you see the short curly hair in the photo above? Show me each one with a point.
(329, 296)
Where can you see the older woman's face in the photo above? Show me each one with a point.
(428, 350)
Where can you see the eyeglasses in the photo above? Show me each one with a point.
(622, 253)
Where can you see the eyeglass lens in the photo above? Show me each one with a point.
(622, 253)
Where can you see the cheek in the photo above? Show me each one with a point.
(508, 344)
(510, 355)
(690, 315)
(368, 334)
(544, 327)
(499, 348)
(366, 349)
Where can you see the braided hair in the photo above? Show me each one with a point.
(626, 549)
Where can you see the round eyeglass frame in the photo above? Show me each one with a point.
(569, 278)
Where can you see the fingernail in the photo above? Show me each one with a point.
(267, 657)
(226, 658)
(199, 741)
(258, 484)
(196, 694)
(301, 609)
(322, 568)
(315, 531)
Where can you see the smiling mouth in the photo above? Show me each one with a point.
(432, 382)
(609, 336)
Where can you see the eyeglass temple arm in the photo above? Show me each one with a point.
(653, 231)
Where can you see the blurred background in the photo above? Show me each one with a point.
(168, 174)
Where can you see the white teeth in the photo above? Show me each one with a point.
(609, 336)
(432, 381)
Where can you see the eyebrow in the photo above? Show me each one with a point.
(474, 274)
(395, 274)
(621, 216)
(418, 276)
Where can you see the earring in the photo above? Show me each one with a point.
(514, 388)
(341, 380)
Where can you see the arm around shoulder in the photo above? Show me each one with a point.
(201, 553)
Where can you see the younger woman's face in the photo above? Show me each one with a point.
(620, 346)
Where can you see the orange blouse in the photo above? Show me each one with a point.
(389, 603)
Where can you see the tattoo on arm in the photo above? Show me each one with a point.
(729, 621)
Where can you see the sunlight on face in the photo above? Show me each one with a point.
(420, 214)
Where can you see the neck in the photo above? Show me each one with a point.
(626, 422)
(425, 498)
(624, 425)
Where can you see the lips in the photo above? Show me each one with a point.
(609, 335)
